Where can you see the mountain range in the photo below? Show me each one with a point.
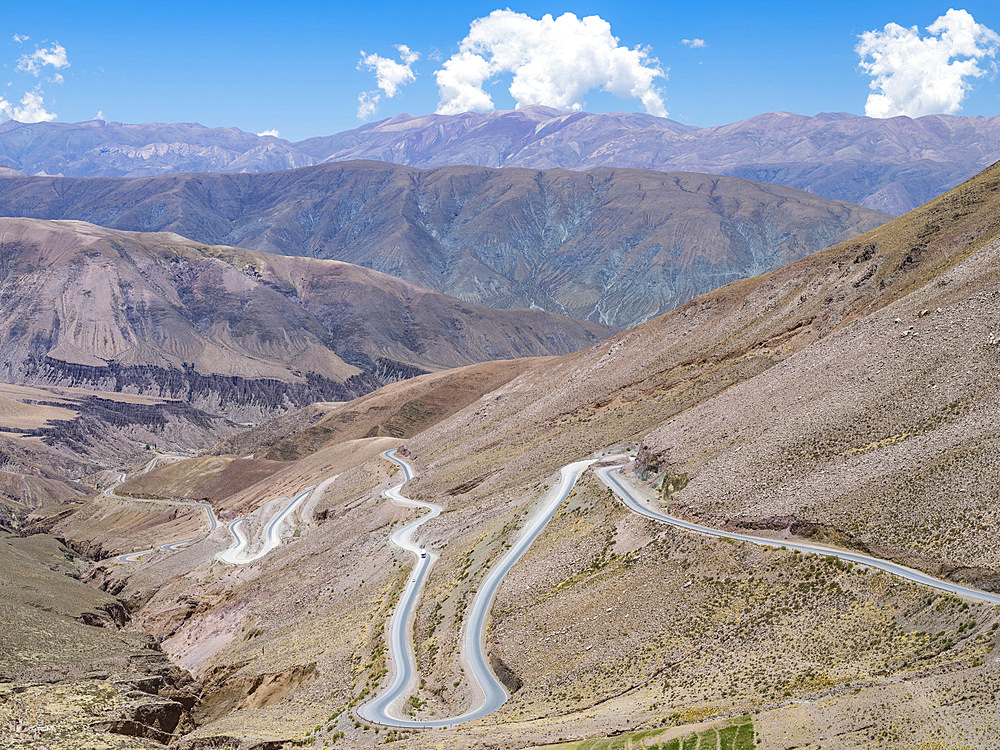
(616, 246)
(889, 165)
(845, 400)
(232, 331)
(247, 486)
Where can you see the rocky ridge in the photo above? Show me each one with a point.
(232, 332)
(616, 246)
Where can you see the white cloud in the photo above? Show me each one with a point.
(99, 115)
(390, 77)
(34, 62)
(20, 38)
(273, 132)
(32, 108)
(389, 74)
(914, 75)
(367, 104)
(693, 43)
(555, 61)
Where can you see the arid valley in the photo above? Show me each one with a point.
(526, 427)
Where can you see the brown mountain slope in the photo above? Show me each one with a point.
(55, 441)
(210, 479)
(881, 436)
(230, 330)
(398, 410)
(68, 666)
(646, 375)
(401, 410)
(792, 402)
(614, 245)
(681, 374)
(612, 621)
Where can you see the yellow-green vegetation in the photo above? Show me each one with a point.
(39, 595)
(638, 621)
(884, 442)
(59, 716)
(737, 734)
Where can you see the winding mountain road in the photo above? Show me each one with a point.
(133, 557)
(400, 643)
(631, 500)
(213, 524)
(384, 708)
(238, 554)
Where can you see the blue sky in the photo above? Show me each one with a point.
(293, 66)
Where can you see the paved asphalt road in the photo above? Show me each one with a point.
(610, 476)
(237, 553)
(381, 708)
(385, 707)
(133, 557)
(492, 694)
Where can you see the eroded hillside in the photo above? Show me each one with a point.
(611, 245)
(229, 331)
(846, 398)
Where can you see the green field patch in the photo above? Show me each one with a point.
(734, 734)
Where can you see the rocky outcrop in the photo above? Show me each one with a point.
(112, 615)
(228, 742)
(504, 673)
(152, 720)
(194, 397)
(226, 690)
(160, 706)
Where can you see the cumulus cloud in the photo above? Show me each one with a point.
(554, 61)
(34, 62)
(32, 108)
(273, 132)
(920, 75)
(20, 38)
(390, 76)
(693, 43)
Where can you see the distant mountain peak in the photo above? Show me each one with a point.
(890, 165)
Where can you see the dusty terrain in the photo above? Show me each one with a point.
(401, 410)
(57, 444)
(613, 623)
(888, 442)
(641, 379)
(68, 673)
